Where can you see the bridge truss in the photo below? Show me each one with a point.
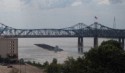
(78, 30)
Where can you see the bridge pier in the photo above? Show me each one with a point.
(95, 42)
(121, 41)
(122, 44)
(80, 44)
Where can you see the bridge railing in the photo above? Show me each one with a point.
(77, 30)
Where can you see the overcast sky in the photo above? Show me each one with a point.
(61, 13)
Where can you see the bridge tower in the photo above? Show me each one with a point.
(95, 36)
(80, 44)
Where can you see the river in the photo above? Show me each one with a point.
(29, 51)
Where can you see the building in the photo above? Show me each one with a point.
(9, 48)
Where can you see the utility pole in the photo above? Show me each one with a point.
(25, 67)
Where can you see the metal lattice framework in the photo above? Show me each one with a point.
(78, 30)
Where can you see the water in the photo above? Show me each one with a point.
(29, 51)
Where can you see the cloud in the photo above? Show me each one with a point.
(25, 1)
(105, 2)
(48, 4)
(116, 1)
(86, 1)
(10, 5)
(77, 3)
(110, 1)
(18, 5)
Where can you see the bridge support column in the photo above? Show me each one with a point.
(80, 44)
(95, 42)
(119, 40)
(122, 43)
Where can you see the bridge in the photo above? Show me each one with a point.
(80, 30)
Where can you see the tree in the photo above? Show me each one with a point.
(107, 58)
(54, 67)
(112, 42)
(69, 65)
(1, 59)
(74, 66)
(46, 64)
(54, 61)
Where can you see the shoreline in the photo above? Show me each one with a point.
(16, 68)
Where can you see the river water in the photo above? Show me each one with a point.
(29, 51)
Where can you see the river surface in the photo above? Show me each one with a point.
(29, 51)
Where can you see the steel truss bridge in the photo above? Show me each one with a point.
(79, 30)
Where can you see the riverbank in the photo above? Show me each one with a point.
(20, 69)
(4, 69)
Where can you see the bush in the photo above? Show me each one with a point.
(54, 67)
(113, 43)
(107, 58)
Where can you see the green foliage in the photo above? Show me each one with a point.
(54, 67)
(107, 58)
(46, 64)
(12, 57)
(1, 59)
(7, 60)
(74, 66)
(21, 61)
(54, 61)
(112, 42)
(35, 64)
(68, 66)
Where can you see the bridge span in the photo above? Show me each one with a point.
(80, 30)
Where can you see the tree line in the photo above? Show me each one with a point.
(109, 57)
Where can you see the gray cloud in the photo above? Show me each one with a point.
(116, 1)
(48, 4)
(26, 1)
(111, 1)
(86, 1)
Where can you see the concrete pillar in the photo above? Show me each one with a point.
(119, 40)
(95, 42)
(122, 43)
(80, 44)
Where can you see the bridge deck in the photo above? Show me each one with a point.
(78, 30)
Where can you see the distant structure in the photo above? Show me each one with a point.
(9, 48)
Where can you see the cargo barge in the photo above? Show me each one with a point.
(48, 47)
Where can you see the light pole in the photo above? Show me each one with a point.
(25, 67)
(20, 66)
(21, 62)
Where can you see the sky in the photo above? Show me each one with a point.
(40, 14)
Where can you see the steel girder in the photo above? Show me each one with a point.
(78, 30)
